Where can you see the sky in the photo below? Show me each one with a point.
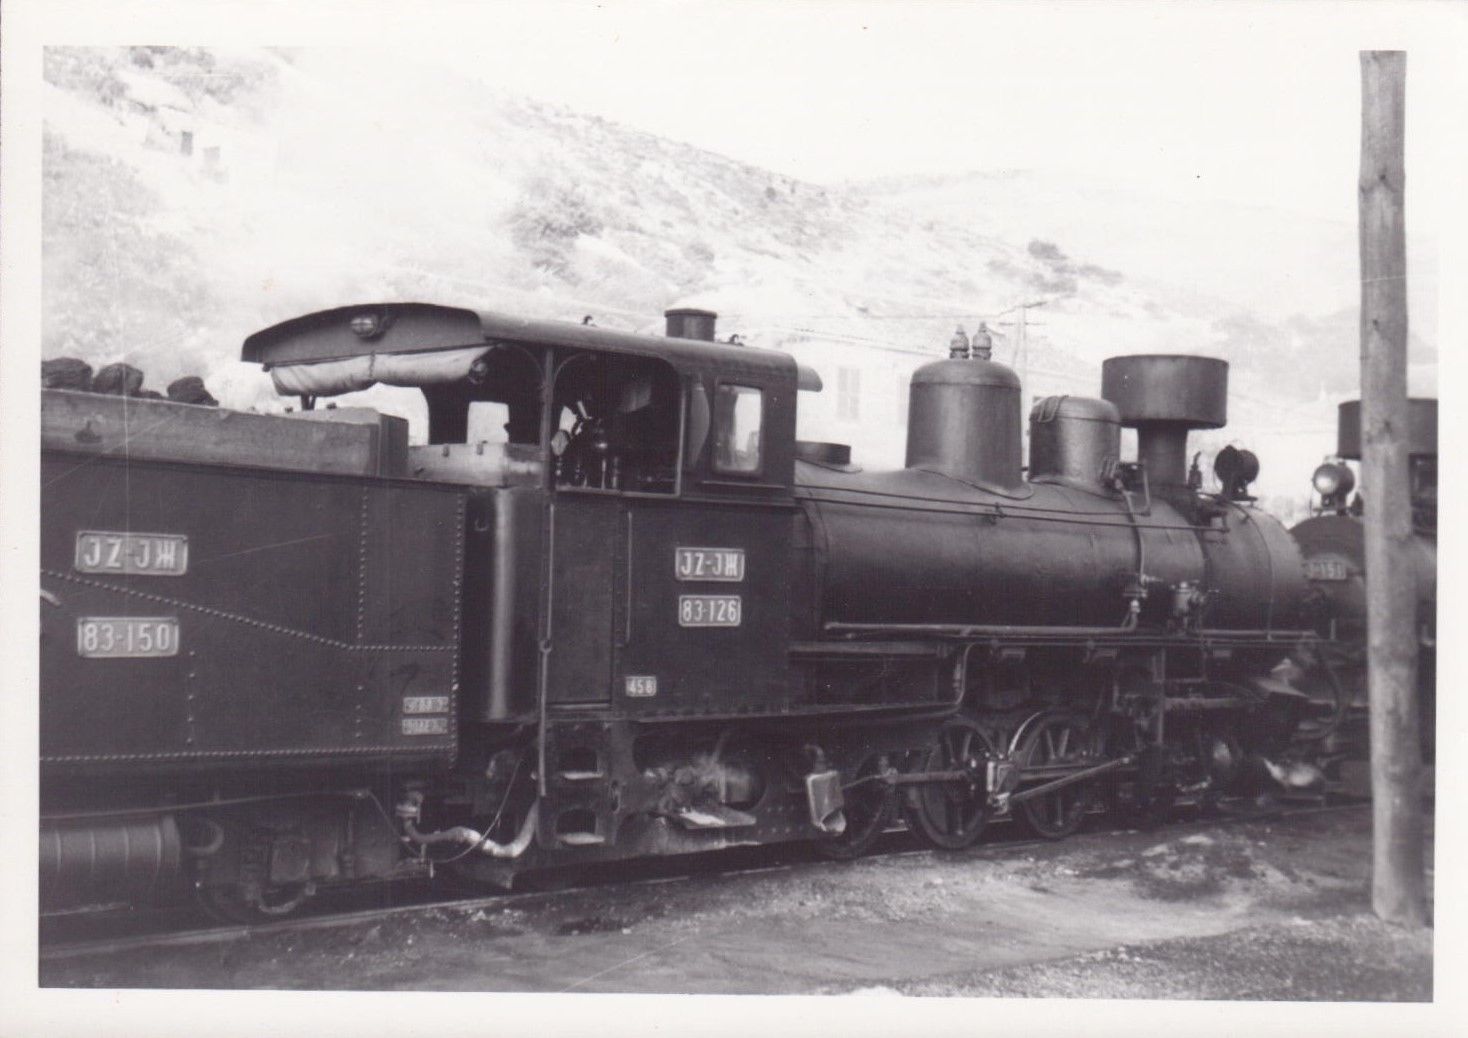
(1248, 103)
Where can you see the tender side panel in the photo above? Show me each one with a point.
(315, 617)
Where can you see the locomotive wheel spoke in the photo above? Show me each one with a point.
(1057, 740)
(950, 815)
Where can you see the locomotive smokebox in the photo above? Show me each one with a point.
(1162, 396)
(964, 421)
(1073, 439)
(1421, 428)
(689, 323)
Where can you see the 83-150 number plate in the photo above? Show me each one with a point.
(126, 637)
(710, 610)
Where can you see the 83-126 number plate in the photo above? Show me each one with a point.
(710, 610)
(126, 637)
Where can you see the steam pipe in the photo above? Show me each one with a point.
(1060, 630)
(987, 630)
(477, 840)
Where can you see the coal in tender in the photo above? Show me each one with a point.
(190, 390)
(118, 380)
(66, 373)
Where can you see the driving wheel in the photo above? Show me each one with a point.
(1061, 741)
(950, 813)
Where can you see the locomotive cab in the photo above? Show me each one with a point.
(628, 538)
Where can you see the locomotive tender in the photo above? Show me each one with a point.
(285, 652)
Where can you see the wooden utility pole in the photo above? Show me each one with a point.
(1398, 883)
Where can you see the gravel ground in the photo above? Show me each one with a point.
(1354, 958)
(1250, 910)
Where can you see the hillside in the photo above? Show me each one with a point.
(1272, 291)
(194, 196)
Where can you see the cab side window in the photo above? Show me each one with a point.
(738, 421)
(618, 423)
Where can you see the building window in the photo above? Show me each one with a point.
(848, 394)
(738, 414)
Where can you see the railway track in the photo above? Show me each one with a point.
(1004, 842)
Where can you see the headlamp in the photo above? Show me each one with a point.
(1333, 480)
(366, 326)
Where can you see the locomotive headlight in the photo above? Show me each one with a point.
(366, 326)
(1333, 480)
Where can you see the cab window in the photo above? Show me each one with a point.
(738, 418)
(616, 425)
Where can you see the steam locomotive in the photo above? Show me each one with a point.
(282, 653)
(1334, 545)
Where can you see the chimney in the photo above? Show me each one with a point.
(689, 323)
(1421, 428)
(1163, 396)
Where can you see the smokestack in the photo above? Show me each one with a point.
(1163, 396)
(688, 323)
(1421, 435)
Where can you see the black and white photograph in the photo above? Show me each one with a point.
(910, 515)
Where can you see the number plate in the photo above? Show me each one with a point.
(1326, 569)
(709, 610)
(642, 686)
(725, 564)
(126, 637)
(151, 554)
(425, 725)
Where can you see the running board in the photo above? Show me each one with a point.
(581, 839)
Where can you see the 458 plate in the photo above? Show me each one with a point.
(126, 637)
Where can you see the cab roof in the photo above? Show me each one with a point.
(405, 328)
